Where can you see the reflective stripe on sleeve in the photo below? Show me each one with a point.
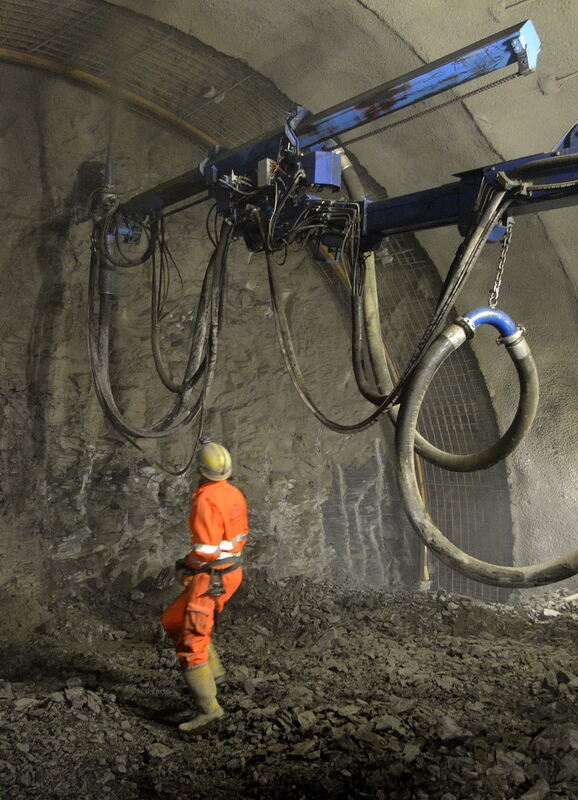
(225, 545)
(207, 549)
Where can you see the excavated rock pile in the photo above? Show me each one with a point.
(330, 693)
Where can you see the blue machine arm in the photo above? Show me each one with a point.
(518, 45)
(304, 153)
(537, 183)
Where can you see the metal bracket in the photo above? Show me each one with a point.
(569, 141)
(526, 47)
(521, 52)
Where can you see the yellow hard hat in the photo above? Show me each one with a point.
(214, 461)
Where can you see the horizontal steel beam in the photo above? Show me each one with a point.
(453, 203)
(519, 44)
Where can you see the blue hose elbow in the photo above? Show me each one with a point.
(491, 316)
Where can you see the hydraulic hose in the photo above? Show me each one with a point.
(202, 355)
(372, 320)
(290, 357)
(496, 575)
(517, 347)
(365, 308)
(358, 320)
(366, 318)
(538, 167)
(195, 363)
(520, 179)
(99, 348)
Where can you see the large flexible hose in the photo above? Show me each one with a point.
(496, 575)
(525, 366)
(366, 319)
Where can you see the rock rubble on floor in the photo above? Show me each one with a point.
(330, 693)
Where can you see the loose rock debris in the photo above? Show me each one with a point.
(330, 693)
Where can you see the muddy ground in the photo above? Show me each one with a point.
(330, 693)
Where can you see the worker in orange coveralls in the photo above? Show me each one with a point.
(211, 574)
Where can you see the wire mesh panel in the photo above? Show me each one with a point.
(221, 96)
(472, 509)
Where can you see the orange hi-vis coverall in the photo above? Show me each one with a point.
(219, 527)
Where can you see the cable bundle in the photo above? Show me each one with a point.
(190, 394)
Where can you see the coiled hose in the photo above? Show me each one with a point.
(453, 337)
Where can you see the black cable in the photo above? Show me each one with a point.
(528, 378)
(213, 239)
(99, 346)
(466, 257)
(492, 208)
(288, 352)
(190, 377)
(109, 227)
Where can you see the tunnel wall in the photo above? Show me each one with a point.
(70, 517)
(319, 55)
(81, 508)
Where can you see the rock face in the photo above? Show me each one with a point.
(329, 693)
(359, 46)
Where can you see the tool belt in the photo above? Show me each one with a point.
(215, 574)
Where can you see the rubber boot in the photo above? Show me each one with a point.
(202, 685)
(215, 664)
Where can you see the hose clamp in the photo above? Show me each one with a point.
(513, 338)
(467, 325)
(456, 334)
(516, 344)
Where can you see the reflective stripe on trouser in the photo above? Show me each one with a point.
(189, 619)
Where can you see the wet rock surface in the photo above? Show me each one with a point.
(329, 693)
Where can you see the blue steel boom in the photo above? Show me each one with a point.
(453, 203)
(241, 180)
(518, 45)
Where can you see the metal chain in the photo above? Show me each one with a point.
(457, 99)
(495, 292)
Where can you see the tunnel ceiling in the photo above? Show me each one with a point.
(318, 55)
(165, 70)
